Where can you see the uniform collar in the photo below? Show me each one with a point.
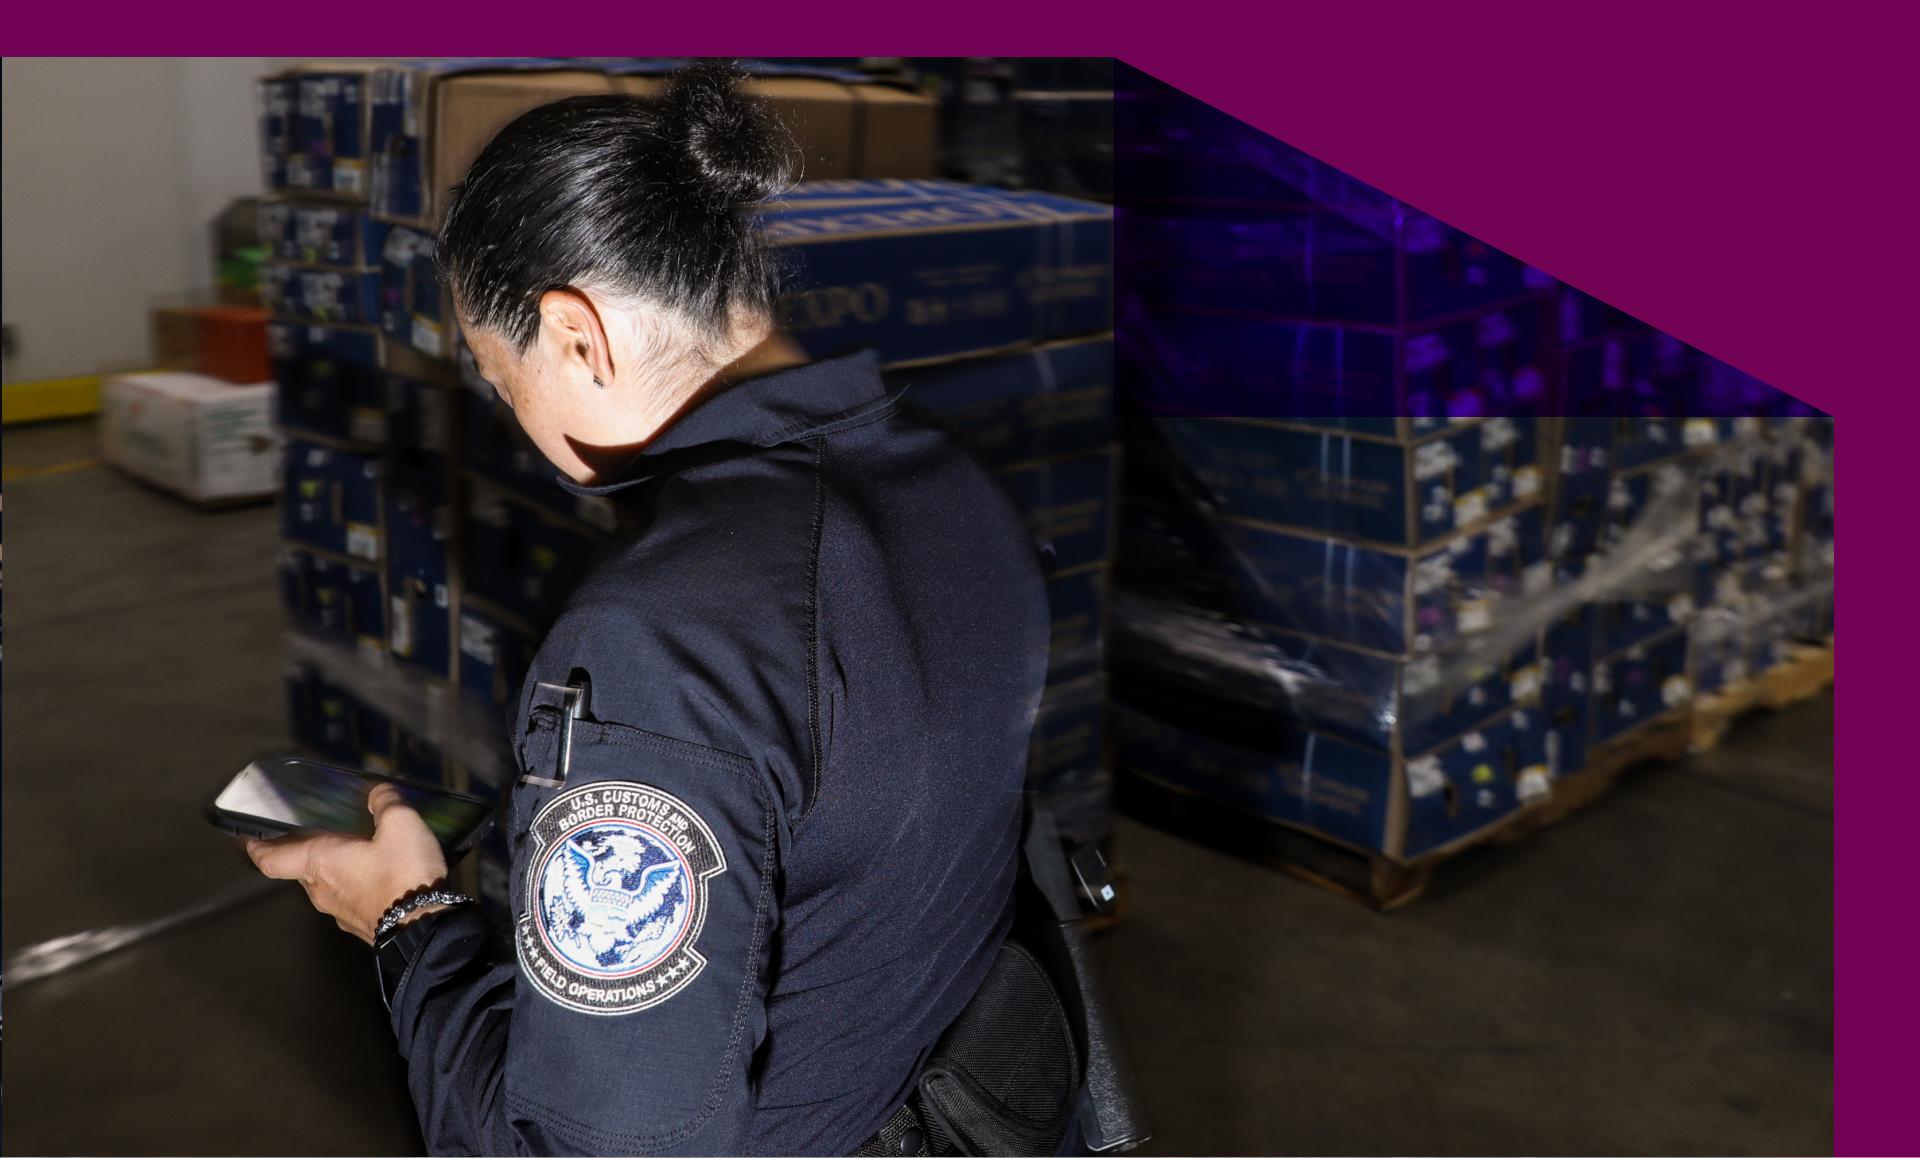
(785, 406)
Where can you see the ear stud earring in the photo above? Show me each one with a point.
(599, 383)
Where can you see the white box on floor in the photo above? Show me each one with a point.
(201, 438)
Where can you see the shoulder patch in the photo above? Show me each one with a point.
(616, 895)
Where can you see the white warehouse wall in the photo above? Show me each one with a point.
(111, 173)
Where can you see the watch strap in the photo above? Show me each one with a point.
(393, 954)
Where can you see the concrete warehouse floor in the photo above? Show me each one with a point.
(1654, 976)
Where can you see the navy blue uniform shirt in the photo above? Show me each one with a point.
(783, 856)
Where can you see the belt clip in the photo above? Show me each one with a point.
(573, 697)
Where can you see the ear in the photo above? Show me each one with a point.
(571, 321)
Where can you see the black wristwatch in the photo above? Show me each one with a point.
(395, 945)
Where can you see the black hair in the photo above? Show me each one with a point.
(648, 198)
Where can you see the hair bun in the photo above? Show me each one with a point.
(734, 147)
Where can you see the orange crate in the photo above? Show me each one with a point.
(233, 344)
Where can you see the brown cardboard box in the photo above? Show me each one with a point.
(224, 342)
(858, 130)
(894, 132)
(463, 111)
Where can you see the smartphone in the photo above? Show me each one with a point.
(286, 794)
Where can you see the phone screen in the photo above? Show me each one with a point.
(308, 794)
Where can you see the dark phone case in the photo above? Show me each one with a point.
(233, 822)
(239, 824)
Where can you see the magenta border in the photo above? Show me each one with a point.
(1740, 176)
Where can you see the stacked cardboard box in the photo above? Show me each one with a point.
(1398, 640)
(426, 548)
(1313, 622)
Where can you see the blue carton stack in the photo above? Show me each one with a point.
(1769, 519)
(1312, 625)
(1353, 601)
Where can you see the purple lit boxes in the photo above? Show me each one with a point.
(1239, 365)
(1373, 264)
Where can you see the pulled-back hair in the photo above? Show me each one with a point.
(650, 199)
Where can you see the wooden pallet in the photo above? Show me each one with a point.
(1807, 672)
(1369, 878)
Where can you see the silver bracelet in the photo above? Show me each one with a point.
(407, 904)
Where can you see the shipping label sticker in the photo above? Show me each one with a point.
(366, 424)
(363, 542)
(1526, 482)
(426, 336)
(400, 631)
(1433, 460)
(1524, 685)
(1470, 507)
(476, 639)
(1425, 776)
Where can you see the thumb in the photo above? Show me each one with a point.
(383, 801)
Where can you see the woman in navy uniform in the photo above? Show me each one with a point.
(771, 754)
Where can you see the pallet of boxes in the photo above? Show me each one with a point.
(1353, 647)
(428, 546)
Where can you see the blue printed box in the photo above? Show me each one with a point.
(1359, 487)
(419, 418)
(416, 309)
(1397, 601)
(494, 656)
(331, 136)
(331, 500)
(1048, 402)
(1240, 675)
(520, 559)
(493, 447)
(346, 603)
(1400, 807)
(331, 598)
(950, 277)
(418, 525)
(1068, 508)
(333, 722)
(273, 110)
(328, 381)
(1217, 365)
(1640, 683)
(340, 236)
(315, 294)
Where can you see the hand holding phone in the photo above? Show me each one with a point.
(357, 842)
(285, 794)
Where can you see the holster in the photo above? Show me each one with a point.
(1033, 1065)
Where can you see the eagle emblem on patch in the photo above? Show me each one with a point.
(616, 894)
